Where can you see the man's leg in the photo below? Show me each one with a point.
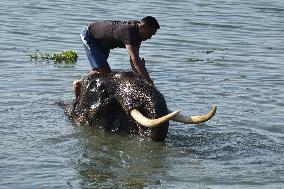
(97, 59)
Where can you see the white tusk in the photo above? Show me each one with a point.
(195, 119)
(142, 120)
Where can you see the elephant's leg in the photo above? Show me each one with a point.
(77, 88)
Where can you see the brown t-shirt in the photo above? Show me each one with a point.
(113, 34)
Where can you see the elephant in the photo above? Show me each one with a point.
(123, 102)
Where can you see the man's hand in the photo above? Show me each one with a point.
(143, 61)
(150, 81)
(137, 63)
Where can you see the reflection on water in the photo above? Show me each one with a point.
(118, 160)
(103, 159)
(227, 53)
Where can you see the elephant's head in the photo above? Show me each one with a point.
(123, 102)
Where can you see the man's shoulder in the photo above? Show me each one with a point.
(115, 23)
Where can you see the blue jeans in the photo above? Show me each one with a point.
(96, 56)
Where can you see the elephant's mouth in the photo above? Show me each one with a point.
(175, 116)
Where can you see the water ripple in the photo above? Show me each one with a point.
(228, 53)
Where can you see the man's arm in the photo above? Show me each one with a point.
(137, 63)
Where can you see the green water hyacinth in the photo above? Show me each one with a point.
(67, 56)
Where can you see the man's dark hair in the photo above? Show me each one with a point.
(151, 22)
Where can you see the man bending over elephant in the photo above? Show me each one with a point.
(101, 36)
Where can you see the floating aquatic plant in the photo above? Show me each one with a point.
(67, 56)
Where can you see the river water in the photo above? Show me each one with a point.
(228, 53)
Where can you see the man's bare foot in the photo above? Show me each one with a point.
(95, 72)
(100, 71)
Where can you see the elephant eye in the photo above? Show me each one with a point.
(104, 94)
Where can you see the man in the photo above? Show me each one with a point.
(101, 36)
